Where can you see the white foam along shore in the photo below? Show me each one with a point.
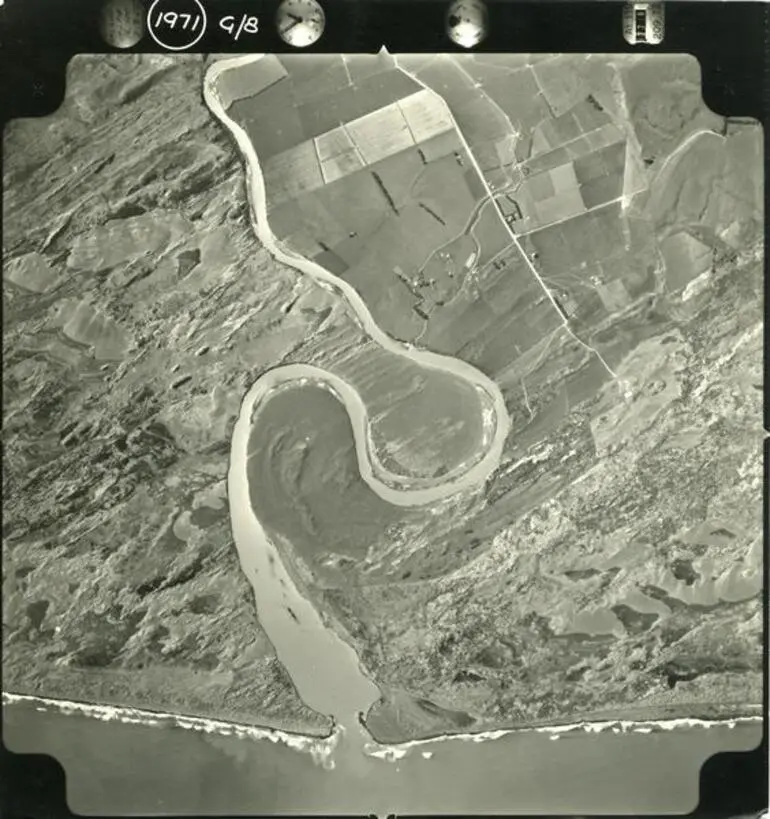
(395, 751)
(497, 423)
(320, 748)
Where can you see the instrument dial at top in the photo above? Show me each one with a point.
(300, 22)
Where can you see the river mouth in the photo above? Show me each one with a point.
(325, 669)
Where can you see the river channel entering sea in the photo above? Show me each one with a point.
(115, 767)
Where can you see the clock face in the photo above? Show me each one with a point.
(300, 22)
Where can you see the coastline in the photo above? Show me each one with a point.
(191, 722)
(641, 719)
(327, 743)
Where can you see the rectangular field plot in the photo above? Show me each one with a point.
(339, 156)
(363, 66)
(333, 143)
(609, 161)
(599, 191)
(426, 114)
(381, 133)
(587, 238)
(293, 172)
(341, 165)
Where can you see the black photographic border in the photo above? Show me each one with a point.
(731, 41)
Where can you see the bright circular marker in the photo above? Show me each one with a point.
(466, 22)
(300, 22)
(121, 23)
(176, 25)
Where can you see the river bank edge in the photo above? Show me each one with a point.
(497, 421)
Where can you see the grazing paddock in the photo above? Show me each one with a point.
(270, 119)
(590, 115)
(363, 66)
(328, 80)
(512, 288)
(249, 80)
(357, 203)
(442, 186)
(609, 161)
(286, 219)
(292, 173)
(664, 96)
(386, 87)
(564, 80)
(454, 326)
(520, 99)
(332, 262)
(601, 190)
(323, 223)
(686, 258)
(508, 336)
(440, 146)
(544, 162)
(479, 119)
(327, 113)
(352, 248)
(399, 174)
(553, 196)
(555, 132)
(589, 237)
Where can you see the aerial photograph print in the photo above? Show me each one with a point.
(382, 433)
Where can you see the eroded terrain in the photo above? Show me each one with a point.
(604, 269)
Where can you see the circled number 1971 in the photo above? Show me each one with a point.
(185, 21)
(176, 25)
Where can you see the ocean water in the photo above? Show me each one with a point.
(113, 768)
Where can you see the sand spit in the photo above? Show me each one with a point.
(320, 748)
(397, 751)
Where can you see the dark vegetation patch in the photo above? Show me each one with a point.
(187, 260)
(204, 604)
(36, 613)
(634, 622)
(683, 570)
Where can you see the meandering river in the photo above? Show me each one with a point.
(324, 668)
(193, 767)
